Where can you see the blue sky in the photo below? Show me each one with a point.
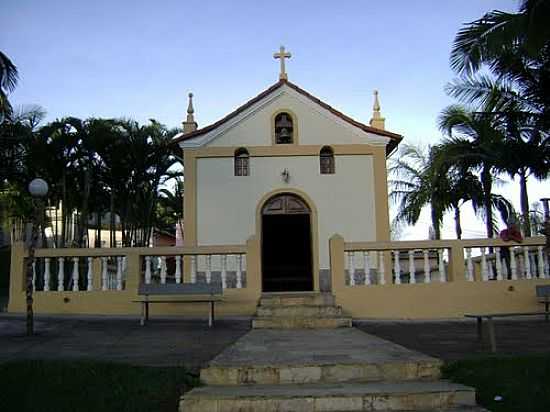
(139, 59)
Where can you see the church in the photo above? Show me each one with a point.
(291, 170)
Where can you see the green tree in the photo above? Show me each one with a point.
(8, 81)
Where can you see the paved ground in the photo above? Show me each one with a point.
(348, 346)
(191, 342)
(161, 343)
(451, 340)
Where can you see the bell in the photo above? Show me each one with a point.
(284, 135)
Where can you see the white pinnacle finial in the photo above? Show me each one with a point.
(190, 125)
(282, 55)
(377, 120)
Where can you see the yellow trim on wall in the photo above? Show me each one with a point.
(287, 150)
(295, 140)
(313, 223)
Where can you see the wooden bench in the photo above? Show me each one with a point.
(186, 293)
(543, 294)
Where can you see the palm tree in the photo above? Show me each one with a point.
(414, 187)
(8, 81)
(475, 142)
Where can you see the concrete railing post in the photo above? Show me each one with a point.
(133, 278)
(17, 277)
(457, 269)
(337, 264)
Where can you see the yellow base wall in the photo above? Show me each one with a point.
(440, 300)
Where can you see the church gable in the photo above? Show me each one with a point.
(286, 115)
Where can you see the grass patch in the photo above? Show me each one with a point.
(63, 386)
(522, 382)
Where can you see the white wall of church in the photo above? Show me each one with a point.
(226, 204)
(315, 126)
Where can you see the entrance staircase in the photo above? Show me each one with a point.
(299, 310)
(312, 363)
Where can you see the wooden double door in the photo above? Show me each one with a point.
(286, 245)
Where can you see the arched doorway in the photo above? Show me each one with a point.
(286, 244)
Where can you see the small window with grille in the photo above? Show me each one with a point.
(326, 161)
(242, 162)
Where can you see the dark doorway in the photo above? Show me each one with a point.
(286, 245)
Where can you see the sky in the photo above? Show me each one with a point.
(139, 59)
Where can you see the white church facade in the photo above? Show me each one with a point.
(291, 171)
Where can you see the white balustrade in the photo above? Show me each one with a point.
(427, 271)
(366, 266)
(75, 276)
(396, 267)
(351, 268)
(34, 275)
(540, 259)
(498, 263)
(224, 271)
(469, 265)
(412, 268)
(104, 263)
(163, 270)
(484, 272)
(47, 274)
(90, 275)
(513, 266)
(119, 273)
(381, 268)
(147, 270)
(60, 274)
(239, 271)
(208, 268)
(527, 262)
(442, 275)
(177, 273)
(193, 269)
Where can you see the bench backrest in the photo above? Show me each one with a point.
(543, 291)
(181, 289)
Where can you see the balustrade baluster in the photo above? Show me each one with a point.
(366, 266)
(484, 272)
(224, 271)
(208, 268)
(148, 270)
(427, 274)
(527, 262)
(75, 274)
(163, 270)
(60, 274)
(104, 264)
(193, 269)
(239, 271)
(351, 268)
(540, 259)
(34, 275)
(46, 274)
(513, 266)
(90, 275)
(178, 269)
(412, 268)
(119, 273)
(498, 263)
(397, 267)
(442, 274)
(469, 265)
(381, 268)
(546, 266)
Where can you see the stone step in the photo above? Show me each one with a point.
(379, 396)
(405, 370)
(315, 311)
(297, 298)
(300, 323)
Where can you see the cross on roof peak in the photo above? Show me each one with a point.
(282, 55)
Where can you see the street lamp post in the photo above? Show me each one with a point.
(38, 188)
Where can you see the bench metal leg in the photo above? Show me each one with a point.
(211, 315)
(492, 339)
(479, 329)
(142, 320)
(546, 310)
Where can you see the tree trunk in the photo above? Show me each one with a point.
(524, 203)
(458, 226)
(112, 219)
(487, 183)
(435, 223)
(63, 209)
